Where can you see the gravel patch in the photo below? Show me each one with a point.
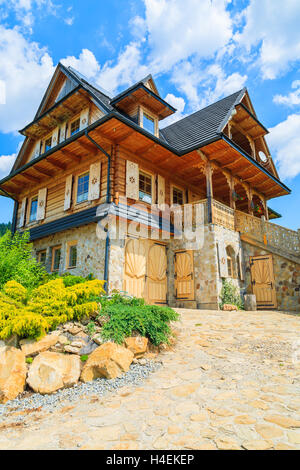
(100, 387)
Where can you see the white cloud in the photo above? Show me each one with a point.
(284, 140)
(179, 104)
(26, 69)
(203, 87)
(127, 69)
(87, 63)
(6, 163)
(292, 98)
(273, 27)
(25, 10)
(177, 30)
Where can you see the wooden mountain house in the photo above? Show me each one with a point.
(88, 158)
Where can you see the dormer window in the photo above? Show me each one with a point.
(75, 126)
(148, 123)
(48, 144)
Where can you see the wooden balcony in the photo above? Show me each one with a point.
(257, 229)
(221, 214)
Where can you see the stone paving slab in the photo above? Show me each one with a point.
(231, 382)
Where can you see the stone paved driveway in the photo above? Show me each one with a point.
(231, 382)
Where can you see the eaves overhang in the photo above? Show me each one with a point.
(116, 115)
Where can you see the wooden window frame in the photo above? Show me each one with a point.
(76, 187)
(43, 146)
(152, 177)
(143, 111)
(55, 248)
(39, 253)
(77, 118)
(33, 198)
(69, 246)
(180, 188)
(231, 264)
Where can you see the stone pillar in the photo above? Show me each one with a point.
(299, 238)
(263, 229)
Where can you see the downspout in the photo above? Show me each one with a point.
(16, 206)
(107, 240)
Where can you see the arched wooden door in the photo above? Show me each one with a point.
(157, 274)
(184, 275)
(135, 267)
(263, 283)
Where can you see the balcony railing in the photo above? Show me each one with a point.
(258, 229)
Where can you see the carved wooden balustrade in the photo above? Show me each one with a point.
(221, 214)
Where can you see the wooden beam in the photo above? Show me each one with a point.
(88, 147)
(120, 139)
(56, 164)
(72, 156)
(31, 178)
(42, 171)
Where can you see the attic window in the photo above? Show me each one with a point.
(75, 126)
(148, 123)
(48, 144)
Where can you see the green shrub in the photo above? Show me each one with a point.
(230, 294)
(124, 316)
(17, 263)
(84, 357)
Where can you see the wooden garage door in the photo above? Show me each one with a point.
(157, 274)
(135, 267)
(184, 275)
(263, 283)
(145, 270)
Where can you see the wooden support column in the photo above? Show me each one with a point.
(250, 196)
(232, 200)
(209, 191)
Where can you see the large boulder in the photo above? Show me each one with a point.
(31, 347)
(12, 373)
(51, 371)
(137, 344)
(109, 361)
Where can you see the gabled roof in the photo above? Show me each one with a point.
(203, 125)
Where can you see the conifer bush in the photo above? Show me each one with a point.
(31, 314)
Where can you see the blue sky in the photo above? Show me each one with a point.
(197, 50)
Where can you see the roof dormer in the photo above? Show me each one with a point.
(143, 103)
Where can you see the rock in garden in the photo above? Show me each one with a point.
(51, 371)
(88, 348)
(12, 373)
(229, 307)
(71, 349)
(109, 361)
(137, 344)
(31, 347)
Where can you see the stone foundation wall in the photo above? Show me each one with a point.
(233, 240)
(90, 250)
(287, 278)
